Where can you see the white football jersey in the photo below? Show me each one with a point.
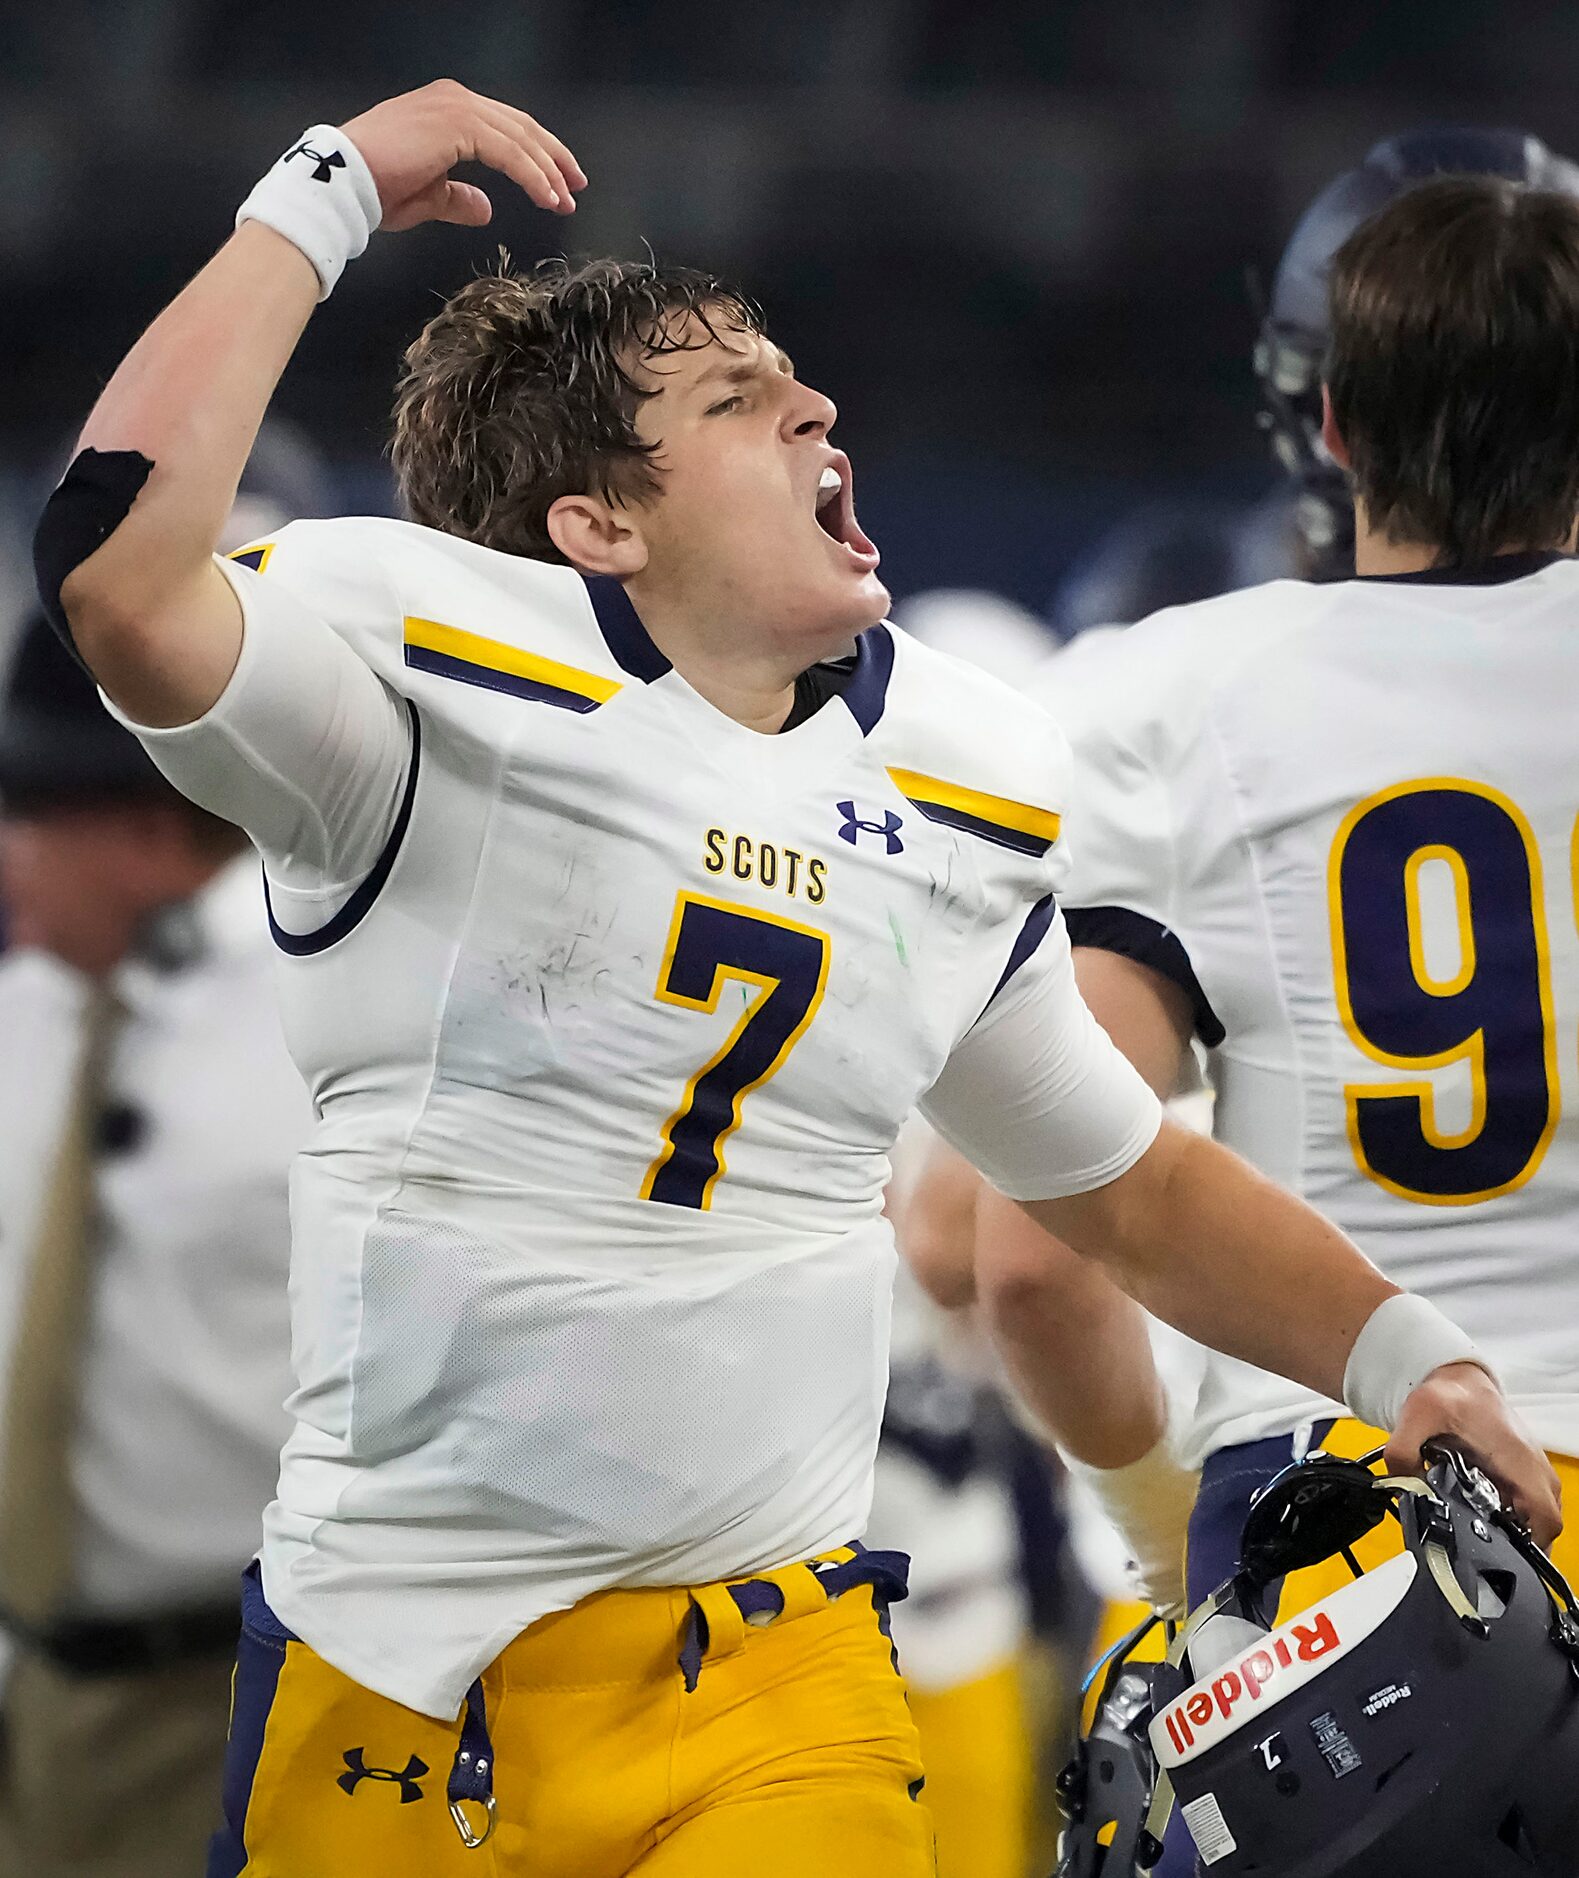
(1345, 818)
(611, 1009)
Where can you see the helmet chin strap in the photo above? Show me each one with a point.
(1438, 1560)
(1161, 1809)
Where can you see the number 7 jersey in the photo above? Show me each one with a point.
(611, 1009)
(1346, 818)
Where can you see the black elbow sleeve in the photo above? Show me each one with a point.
(90, 502)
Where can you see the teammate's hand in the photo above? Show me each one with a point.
(411, 143)
(1461, 1404)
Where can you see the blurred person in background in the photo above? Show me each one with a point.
(150, 1113)
(1295, 328)
(1269, 783)
(985, 628)
(1134, 1450)
(1173, 552)
(945, 1493)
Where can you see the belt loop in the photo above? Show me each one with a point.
(724, 1620)
(803, 1590)
(471, 1775)
(714, 1626)
(717, 1615)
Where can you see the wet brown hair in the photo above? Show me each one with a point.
(523, 389)
(1454, 366)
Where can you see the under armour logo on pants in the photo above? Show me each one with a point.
(359, 1771)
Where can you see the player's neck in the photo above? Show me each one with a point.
(1375, 553)
(755, 700)
(754, 682)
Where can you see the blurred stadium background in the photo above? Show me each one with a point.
(1013, 238)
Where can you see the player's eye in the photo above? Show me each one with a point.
(725, 404)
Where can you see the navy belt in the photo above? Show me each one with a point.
(761, 1600)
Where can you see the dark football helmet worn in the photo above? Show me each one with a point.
(1292, 341)
(1420, 1722)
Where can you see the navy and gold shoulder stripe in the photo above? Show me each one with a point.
(1016, 825)
(449, 652)
(255, 557)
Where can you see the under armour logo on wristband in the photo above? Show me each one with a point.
(327, 165)
(887, 829)
(405, 1779)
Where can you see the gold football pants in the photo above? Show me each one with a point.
(782, 1747)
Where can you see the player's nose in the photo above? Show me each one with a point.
(809, 413)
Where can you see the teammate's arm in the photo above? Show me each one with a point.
(936, 1226)
(1037, 1094)
(150, 613)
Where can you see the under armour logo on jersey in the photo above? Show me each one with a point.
(854, 827)
(406, 1780)
(327, 165)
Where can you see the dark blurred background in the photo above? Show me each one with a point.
(1012, 238)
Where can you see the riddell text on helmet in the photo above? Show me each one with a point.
(1283, 1661)
(1310, 1641)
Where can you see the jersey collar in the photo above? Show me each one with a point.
(633, 651)
(867, 692)
(622, 630)
(1493, 573)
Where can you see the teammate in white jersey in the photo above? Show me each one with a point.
(1332, 828)
(620, 932)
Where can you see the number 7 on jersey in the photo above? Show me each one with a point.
(712, 942)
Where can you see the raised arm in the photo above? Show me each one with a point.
(125, 548)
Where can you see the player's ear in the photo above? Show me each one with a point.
(596, 536)
(1331, 436)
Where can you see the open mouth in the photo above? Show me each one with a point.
(836, 514)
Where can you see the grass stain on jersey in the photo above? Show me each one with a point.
(899, 941)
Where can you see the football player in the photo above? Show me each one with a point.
(1291, 346)
(632, 883)
(1330, 830)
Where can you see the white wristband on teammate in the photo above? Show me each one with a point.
(1149, 1503)
(322, 198)
(1402, 1342)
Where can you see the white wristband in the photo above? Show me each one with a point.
(1402, 1341)
(1149, 1503)
(322, 198)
